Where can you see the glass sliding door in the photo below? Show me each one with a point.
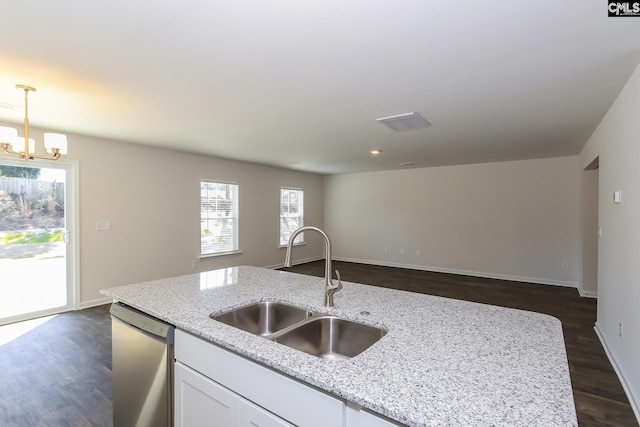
(36, 262)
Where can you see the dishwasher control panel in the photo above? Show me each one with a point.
(142, 321)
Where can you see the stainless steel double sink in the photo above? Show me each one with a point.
(321, 335)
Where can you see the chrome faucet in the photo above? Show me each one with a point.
(330, 288)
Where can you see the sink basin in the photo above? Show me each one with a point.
(263, 318)
(328, 337)
(331, 337)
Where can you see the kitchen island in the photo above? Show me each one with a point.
(442, 362)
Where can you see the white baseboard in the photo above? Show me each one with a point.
(634, 401)
(301, 261)
(537, 280)
(587, 294)
(94, 303)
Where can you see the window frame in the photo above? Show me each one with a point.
(234, 217)
(300, 237)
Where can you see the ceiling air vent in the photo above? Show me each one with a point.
(402, 122)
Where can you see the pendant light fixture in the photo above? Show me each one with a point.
(24, 147)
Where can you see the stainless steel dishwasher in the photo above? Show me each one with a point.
(142, 369)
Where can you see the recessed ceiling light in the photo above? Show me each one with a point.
(375, 152)
(407, 164)
(406, 121)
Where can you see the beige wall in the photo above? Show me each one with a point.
(516, 220)
(616, 142)
(151, 196)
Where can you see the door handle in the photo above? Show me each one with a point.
(66, 237)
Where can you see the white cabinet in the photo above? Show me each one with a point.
(251, 415)
(367, 419)
(357, 416)
(201, 402)
(215, 387)
(290, 399)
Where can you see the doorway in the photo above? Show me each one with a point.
(590, 229)
(37, 261)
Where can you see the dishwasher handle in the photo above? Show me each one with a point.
(143, 321)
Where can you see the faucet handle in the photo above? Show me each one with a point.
(332, 289)
(339, 285)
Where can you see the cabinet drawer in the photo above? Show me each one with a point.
(292, 400)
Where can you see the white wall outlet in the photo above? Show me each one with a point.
(103, 225)
(418, 252)
(620, 330)
(565, 264)
(386, 250)
(402, 251)
(194, 264)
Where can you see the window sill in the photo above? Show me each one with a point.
(295, 244)
(207, 256)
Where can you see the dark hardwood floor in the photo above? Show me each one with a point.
(59, 373)
(599, 397)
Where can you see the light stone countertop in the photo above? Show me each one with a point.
(443, 361)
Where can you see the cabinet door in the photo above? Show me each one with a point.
(250, 415)
(200, 402)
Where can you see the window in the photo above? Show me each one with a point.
(291, 214)
(218, 217)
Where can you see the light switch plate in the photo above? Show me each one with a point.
(103, 225)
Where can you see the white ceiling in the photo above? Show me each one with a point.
(300, 84)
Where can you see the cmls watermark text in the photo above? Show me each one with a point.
(624, 8)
